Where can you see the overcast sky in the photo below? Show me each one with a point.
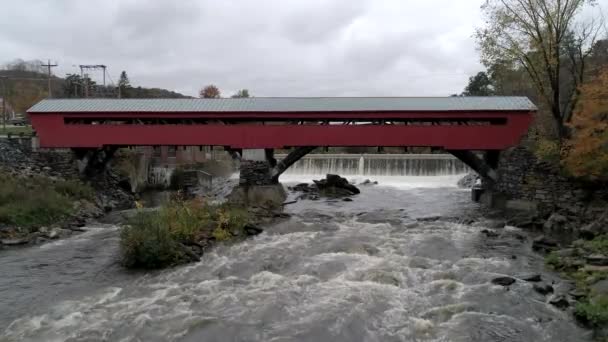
(271, 47)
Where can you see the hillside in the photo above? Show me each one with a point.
(25, 88)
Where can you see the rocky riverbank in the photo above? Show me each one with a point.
(45, 199)
(571, 218)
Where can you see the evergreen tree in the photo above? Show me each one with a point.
(124, 86)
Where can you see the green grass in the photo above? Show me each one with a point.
(27, 130)
(155, 239)
(31, 202)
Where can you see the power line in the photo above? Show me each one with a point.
(49, 66)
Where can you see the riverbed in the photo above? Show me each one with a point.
(406, 260)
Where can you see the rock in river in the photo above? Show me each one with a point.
(543, 289)
(336, 186)
(532, 278)
(14, 242)
(504, 281)
(560, 302)
(252, 230)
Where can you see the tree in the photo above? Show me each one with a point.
(243, 93)
(479, 85)
(587, 151)
(76, 87)
(210, 92)
(124, 86)
(539, 35)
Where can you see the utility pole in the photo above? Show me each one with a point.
(49, 66)
(3, 78)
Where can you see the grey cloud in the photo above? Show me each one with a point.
(272, 47)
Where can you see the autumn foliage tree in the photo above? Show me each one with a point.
(210, 92)
(543, 37)
(587, 152)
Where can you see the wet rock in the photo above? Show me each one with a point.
(522, 220)
(468, 181)
(504, 281)
(601, 287)
(597, 227)
(14, 242)
(544, 244)
(302, 187)
(532, 278)
(555, 222)
(53, 234)
(560, 302)
(490, 233)
(577, 294)
(252, 230)
(543, 289)
(334, 185)
(368, 182)
(597, 260)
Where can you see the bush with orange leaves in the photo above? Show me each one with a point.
(586, 153)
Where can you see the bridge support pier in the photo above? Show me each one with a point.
(486, 167)
(259, 177)
(93, 161)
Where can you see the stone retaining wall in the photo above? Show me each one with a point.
(521, 176)
(255, 173)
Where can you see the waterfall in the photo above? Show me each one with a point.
(379, 165)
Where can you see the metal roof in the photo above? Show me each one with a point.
(287, 104)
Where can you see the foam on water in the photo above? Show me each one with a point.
(366, 270)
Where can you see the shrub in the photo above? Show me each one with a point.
(147, 242)
(593, 312)
(547, 150)
(156, 239)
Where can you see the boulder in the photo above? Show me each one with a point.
(504, 281)
(560, 302)
(14, 242)
(252, 230)
(334, 185)
(597, 260)
(544, 244)
(598, 227)
(555, 223)
(469, 181)
(532, 278)
(543, 289)
(368, 182)
(600, 287)
(577, 294)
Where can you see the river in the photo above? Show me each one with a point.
(399, 263)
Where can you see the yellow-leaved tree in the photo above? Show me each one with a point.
(587, 150)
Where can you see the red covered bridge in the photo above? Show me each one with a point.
(452, 123)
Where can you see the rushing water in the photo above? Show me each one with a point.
(379, 165)
(380, 268)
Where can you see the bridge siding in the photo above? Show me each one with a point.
(53, 133)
